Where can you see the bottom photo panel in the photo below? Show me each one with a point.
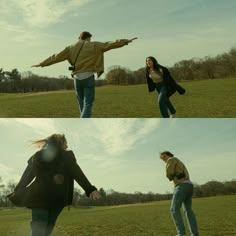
(117, 177)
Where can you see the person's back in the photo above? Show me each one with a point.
(47, 183)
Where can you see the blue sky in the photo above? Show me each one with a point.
(123, 154)
(170, 30)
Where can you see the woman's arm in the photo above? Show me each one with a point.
(77, 174)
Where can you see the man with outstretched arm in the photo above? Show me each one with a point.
(86, 59)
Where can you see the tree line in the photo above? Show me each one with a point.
(111, 197)
(220, 66)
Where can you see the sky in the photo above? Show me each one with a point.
(170, 30)
(123, 154)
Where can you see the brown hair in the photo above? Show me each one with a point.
(57, 140)
(85, 35)
(169, 154)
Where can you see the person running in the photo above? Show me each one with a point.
(183, 192)
(47, 183)
(159, 78)
(86, 59)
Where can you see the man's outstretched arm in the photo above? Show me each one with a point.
(55, 58)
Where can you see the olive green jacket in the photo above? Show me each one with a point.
(91, 56)
(176, 171)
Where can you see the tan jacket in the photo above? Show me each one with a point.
(91, 57)
(176, 171)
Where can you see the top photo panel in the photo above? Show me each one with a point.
(117, 59)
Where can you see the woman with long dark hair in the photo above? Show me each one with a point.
(159, 78)
(47, 183)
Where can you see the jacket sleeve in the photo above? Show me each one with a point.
(77, 174)
(27, 176)
(150, 84)
(112, 44)
(55, 58)
(170, 168)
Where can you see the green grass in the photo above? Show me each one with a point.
(216, 217)
(207, 98)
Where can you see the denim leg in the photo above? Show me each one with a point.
(39, 221)
(177, 200)
(170, 106)
(79, 93)
(162, 100)
(52, 218)
(85, 91)
(43, 221)
(187, 205)
(89, 96)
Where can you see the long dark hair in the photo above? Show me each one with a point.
(156, 65)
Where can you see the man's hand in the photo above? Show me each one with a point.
(131, 40)
(37, 65)
(94, 195)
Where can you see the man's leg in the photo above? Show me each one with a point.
(187, 205)
(89, 96)
(39, 221)
(53, 215)
(78, 84)
(177, 200)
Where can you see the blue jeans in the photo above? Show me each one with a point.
(183, 196)
(164, 102)
(85, 91)
(43, 221)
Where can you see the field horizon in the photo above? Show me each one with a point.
(215, 215)
(205, 98)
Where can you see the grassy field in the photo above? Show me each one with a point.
(216, 217)
(208, 98)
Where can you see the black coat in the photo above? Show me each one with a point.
(54, 181)
(168, 81)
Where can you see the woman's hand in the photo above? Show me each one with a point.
(94, 195)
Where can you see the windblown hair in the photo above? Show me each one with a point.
(167, 153)
(56, 140)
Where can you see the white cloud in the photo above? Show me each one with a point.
(41, 126)
(120, 135)
(43, 13)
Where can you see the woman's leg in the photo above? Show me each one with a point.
(52, 218)
(39, 221)
(162, 100)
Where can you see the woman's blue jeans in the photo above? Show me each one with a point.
(44, 220)
(183, 197)
(164, 103)
(85, 91)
